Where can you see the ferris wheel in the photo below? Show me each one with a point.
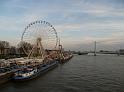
(39, 36)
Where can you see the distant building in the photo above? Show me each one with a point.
(121, 51)
(4, 47)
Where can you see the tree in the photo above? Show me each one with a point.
(4, 47)
(12, 50)
(24, 47)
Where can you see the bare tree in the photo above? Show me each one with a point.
(24, 47)
(4, 47)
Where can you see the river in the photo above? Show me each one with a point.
(103, 73)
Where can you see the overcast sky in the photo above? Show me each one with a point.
(78, 22)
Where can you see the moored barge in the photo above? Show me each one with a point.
(5, 77)
(65, 58)
(29, 73)
(6, 71)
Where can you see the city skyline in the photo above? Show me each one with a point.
(78, 22)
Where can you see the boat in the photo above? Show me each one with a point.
(82, 53)
(6, 74)
(5, 77)
(65, 58)
(30, 72)
(6, 71)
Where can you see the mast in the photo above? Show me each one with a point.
(60, 51)
(59, 44)
(95, 48)
(60, 47)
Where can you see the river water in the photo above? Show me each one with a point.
(104, 73)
